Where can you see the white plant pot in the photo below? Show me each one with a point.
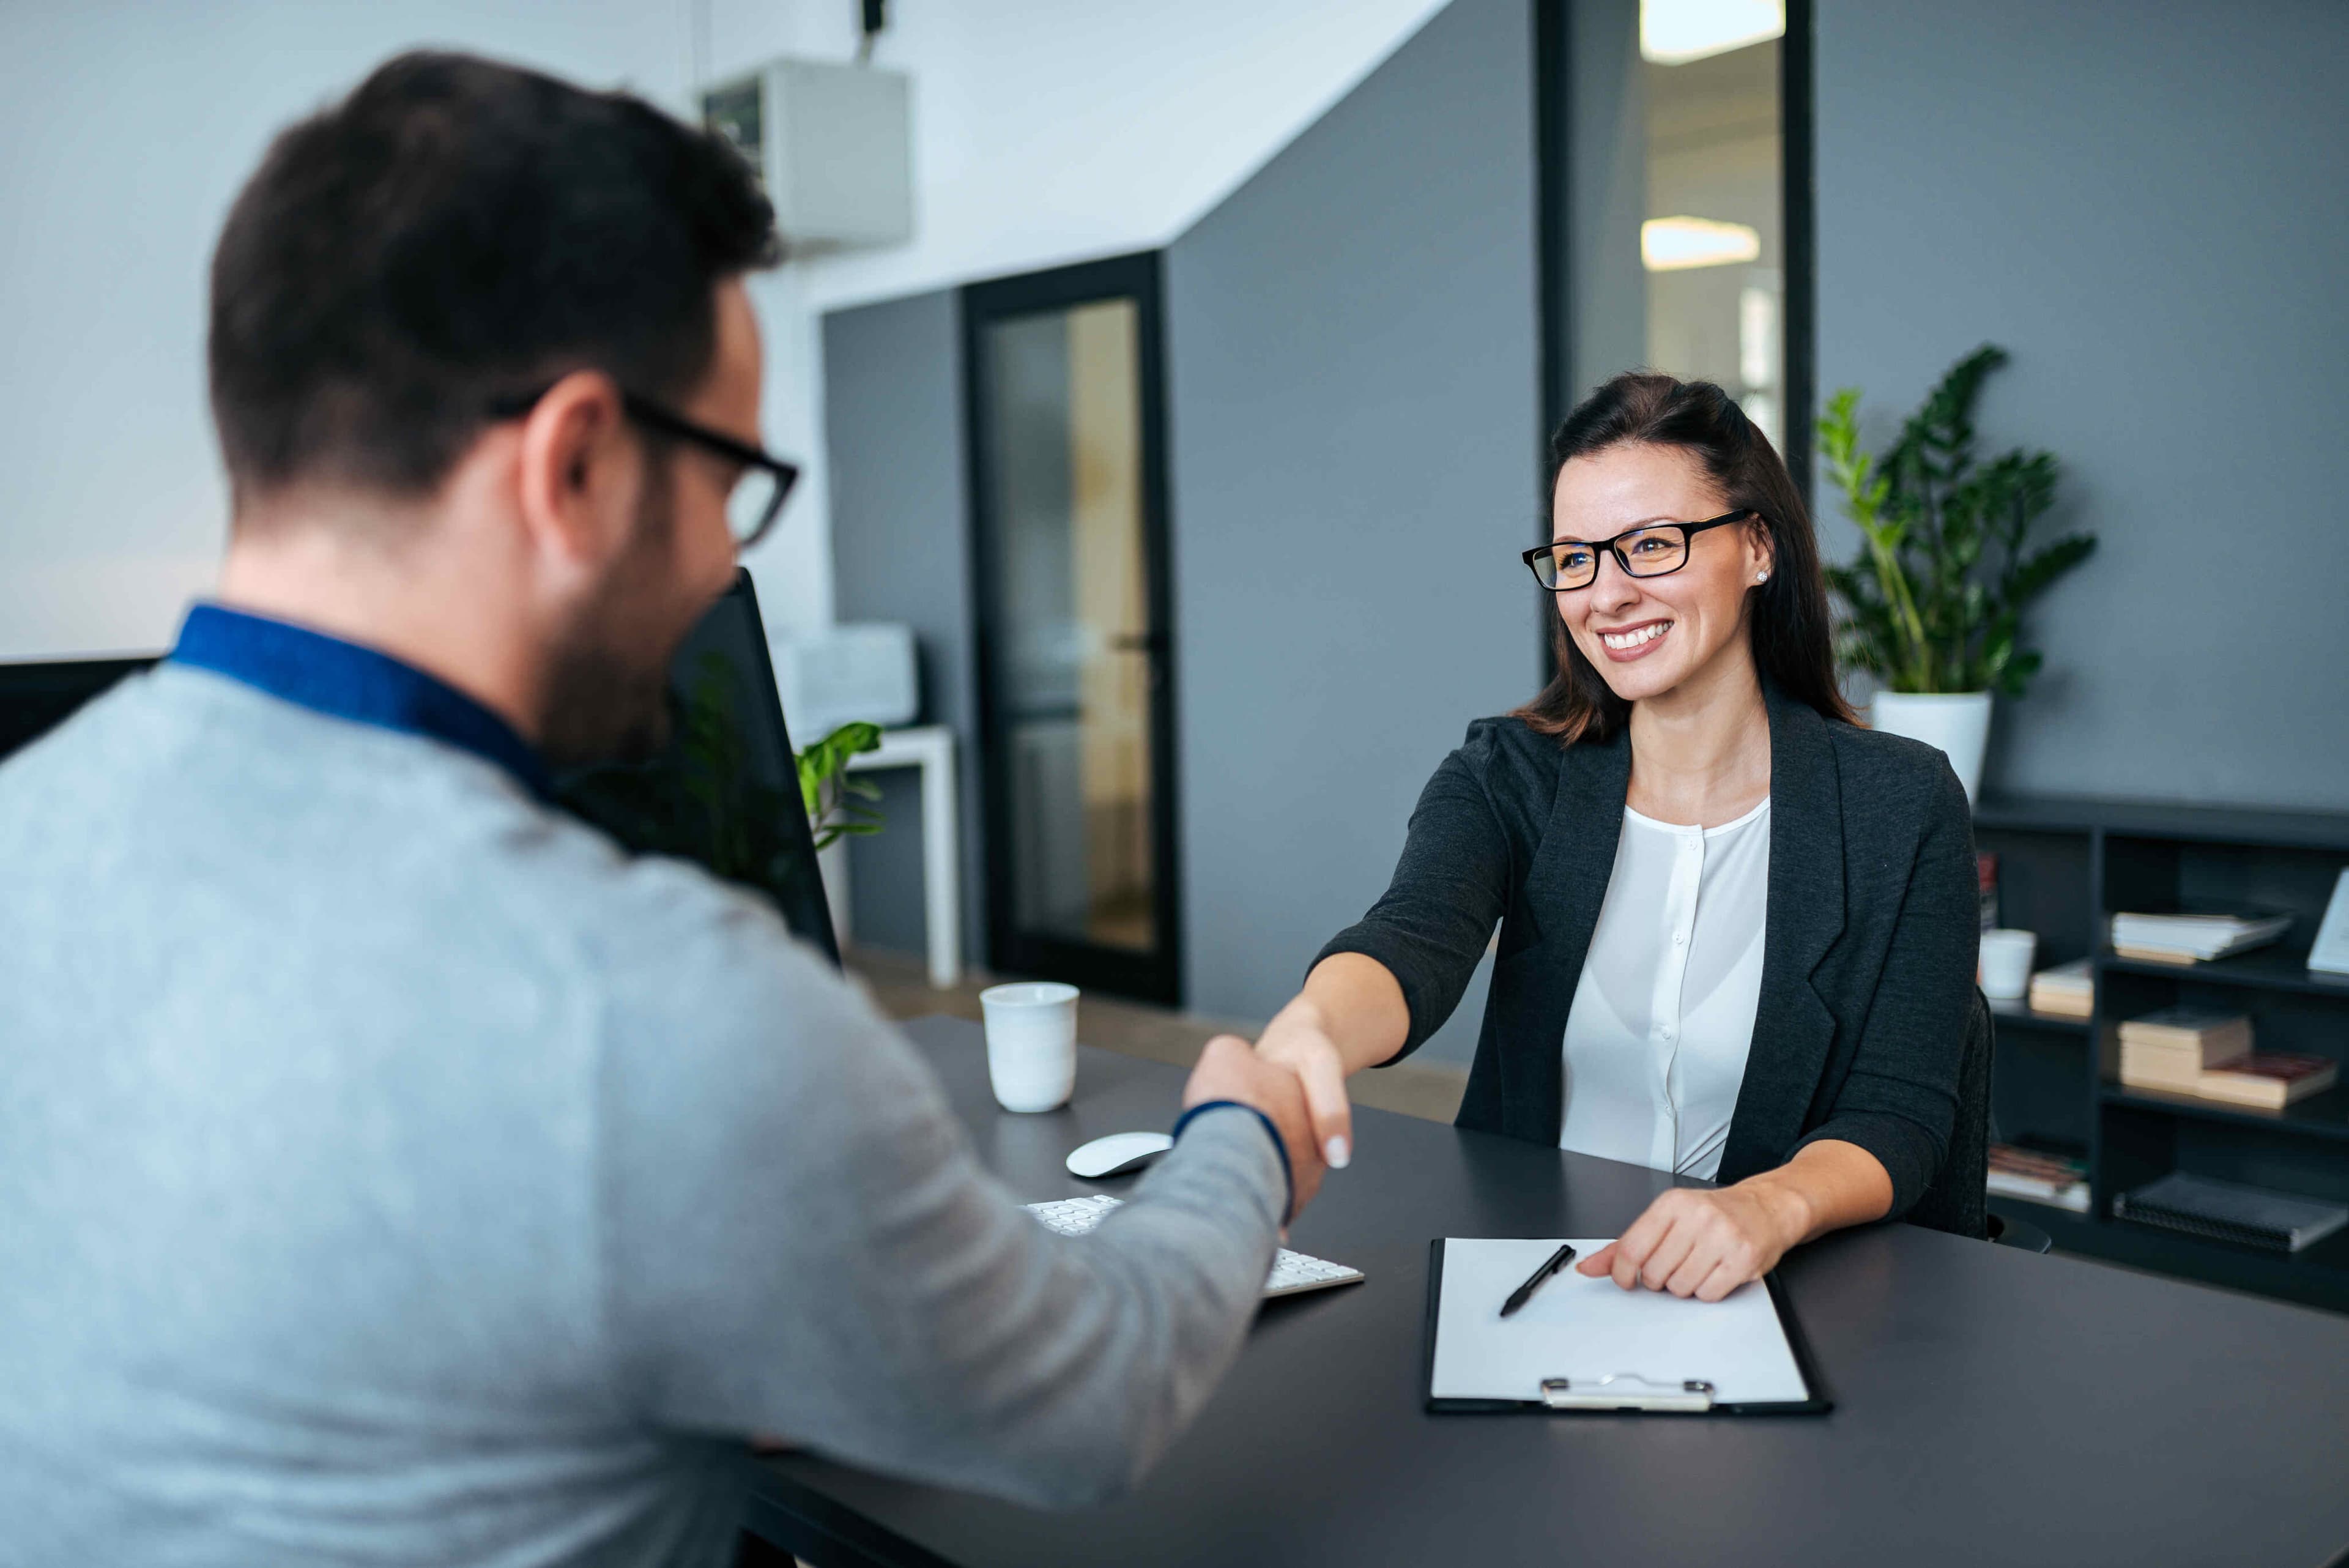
(1957, 721)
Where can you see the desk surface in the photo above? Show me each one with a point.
(1994, 1406)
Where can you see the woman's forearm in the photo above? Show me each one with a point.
(1356, 1003)
(1827, 1186)
(1351, 1015)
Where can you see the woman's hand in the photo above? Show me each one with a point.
(1701, 1243)
(1705, 1244)
(1298, 1039)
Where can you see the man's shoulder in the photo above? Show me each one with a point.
(213, 778)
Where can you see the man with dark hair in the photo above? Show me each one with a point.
(394, 1170)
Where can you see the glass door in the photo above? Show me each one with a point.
(1075, 731)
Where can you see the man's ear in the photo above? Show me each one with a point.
(577, 468)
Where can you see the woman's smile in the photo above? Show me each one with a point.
(1624, 644)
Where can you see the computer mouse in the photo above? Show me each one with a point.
(1117, 1154)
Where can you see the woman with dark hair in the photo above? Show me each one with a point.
(1737, 931)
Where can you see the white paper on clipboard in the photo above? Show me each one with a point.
(1581, 1328)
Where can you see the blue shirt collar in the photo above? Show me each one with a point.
(345, 681)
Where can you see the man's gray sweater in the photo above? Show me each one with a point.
(392, 1172)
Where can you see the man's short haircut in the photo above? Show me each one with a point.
(453, 233)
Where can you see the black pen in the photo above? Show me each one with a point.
(1525, 1292)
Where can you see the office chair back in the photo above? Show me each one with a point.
(1955, 1201)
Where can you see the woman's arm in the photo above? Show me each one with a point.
(1694, 1242)
(1882, 1142)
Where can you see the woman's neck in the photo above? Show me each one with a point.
(1701, 752)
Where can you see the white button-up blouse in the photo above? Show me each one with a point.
(1663, 1016)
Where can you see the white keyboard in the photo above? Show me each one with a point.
(1292, 1273)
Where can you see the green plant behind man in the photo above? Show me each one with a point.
(837, 804)
(1934, 601)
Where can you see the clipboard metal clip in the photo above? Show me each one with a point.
(1625, 1391)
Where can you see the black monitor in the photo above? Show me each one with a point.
(36, 698)
(725, 792)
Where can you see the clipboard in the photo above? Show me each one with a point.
(1647, 1390)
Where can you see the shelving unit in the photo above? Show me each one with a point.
(2065, 866)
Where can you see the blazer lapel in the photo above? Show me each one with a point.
(1567, 881)
(1793, 1029)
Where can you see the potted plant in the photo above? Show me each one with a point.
(1934, 605)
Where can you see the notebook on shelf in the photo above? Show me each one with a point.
(2227, 1211)
(2194, 937)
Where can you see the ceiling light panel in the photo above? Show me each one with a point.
(1674, 32)
(1675, 244)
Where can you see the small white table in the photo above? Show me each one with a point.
(930, 748)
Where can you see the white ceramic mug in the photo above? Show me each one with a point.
(2006, 964)
(1031, 1044)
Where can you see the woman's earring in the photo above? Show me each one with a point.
(1761, 576)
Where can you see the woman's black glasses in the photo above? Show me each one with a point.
(1655, 550)
(761, 489)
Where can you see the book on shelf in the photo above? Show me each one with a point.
(2058, 1180)
(2207, 1035)
(2068, 989)
(2228, 1211)
(2194, 938)
(2269, 1079)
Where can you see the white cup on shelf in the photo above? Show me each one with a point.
(2006, 964)
(1031, 1044)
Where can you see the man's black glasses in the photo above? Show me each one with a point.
(1654, 550)
(759, 491)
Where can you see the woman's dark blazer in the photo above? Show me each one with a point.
(1868, 962)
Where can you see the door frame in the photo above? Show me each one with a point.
(1554, 157)
(1157, 975)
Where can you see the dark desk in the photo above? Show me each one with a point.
(1994, 1406)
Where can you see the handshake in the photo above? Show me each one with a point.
(1295, 1076)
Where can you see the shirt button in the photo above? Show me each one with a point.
(1679, 939)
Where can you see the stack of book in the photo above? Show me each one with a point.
(2172, 1049)
(2051, 1178)
(2067, 990)
(2206, 1054)
(2193, 939)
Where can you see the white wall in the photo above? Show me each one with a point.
(125, 132)
(1046, 130)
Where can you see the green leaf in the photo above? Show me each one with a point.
(829, 795)
(2036, 573)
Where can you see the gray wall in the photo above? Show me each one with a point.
(2144, 206)
(901, 552)
(1354, 419)
(1607, 191)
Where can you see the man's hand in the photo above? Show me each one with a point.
(1297, 1040)
(1704, 1244)
(1229, 1069)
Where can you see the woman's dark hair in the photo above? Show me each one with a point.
(1788, 619)
(454, 231)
